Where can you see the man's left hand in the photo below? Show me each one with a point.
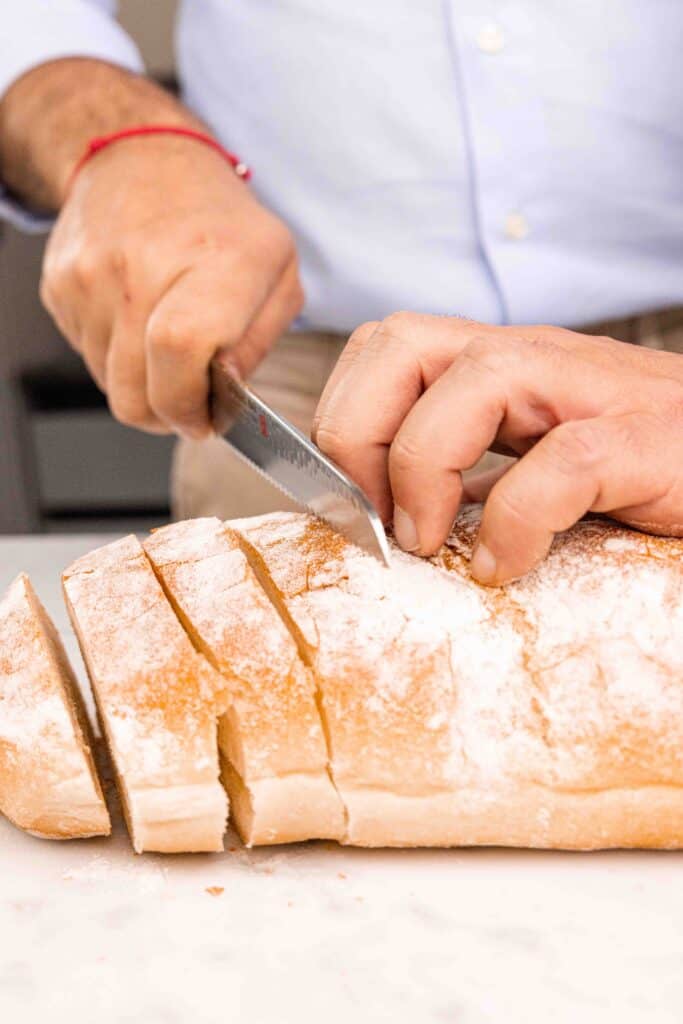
(597, 426)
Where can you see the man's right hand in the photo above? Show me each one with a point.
(161, 257)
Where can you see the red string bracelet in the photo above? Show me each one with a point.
(101, 142)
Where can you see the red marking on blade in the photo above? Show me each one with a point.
(263, 426)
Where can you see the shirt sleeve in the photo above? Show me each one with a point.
(35, 31)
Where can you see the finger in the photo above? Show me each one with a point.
(403, 344)
(598, 465)
(126, 375)
(207, 309)
(270, 323)
(492, 391)
(356, 343)
(90, 341)
(53, 288)
(365, 462)
(404, 354)
(93, 344)
(86, 327)
(381, 374)
(93, 351)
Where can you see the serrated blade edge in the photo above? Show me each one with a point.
(287, 458)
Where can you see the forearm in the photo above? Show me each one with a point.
(48, 116)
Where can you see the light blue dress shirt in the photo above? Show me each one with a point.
(511, 160)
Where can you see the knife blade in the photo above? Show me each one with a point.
(290, 460)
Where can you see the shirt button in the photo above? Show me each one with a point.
(516, 226)
(491, 39)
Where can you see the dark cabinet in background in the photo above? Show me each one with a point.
(64, 462)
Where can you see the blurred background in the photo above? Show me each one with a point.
(65, 464)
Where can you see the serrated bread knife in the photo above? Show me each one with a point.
(288, 459)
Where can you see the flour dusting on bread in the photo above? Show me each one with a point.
(48, 782)
(467, 698)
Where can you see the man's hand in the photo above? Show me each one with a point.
(160, 258)
(597, 425)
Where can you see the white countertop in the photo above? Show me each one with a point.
(91, 933)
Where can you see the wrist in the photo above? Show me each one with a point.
(138, 147)
(101, 143)
(151, 175)
(49, 115)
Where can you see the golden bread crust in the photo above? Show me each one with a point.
(158, 699)
(48, 782)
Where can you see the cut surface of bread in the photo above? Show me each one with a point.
(48, 782)
(546, 714)
(271, 737)
(157, 698)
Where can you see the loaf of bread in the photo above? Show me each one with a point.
(158, 700)
(545, 714)
(401, 706)
(271, 738)
(48, 782)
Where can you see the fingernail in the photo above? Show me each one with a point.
(404, 530)
(483, 564)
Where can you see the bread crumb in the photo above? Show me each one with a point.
(340, 874)
(215, 890)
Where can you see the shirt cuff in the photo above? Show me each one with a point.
(29, 221)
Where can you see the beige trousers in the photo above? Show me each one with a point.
(208, 480)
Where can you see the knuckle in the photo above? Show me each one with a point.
(123, 268)
(128, 409)
(386, 341)
(85, 268)
(120, 262)
(334, 440)
(576, 445)
(47, 290)
(406, 455)
(404, 327)
(363, 333)
(165, 338)
(544, 335)
(398, 322)
(357, 344)
(280, 241)
(52, 297)
(468, 326)
(487, 353)
(53, 273)
(507, 503)
(177, 417)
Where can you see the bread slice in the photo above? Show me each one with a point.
(271, 738)
(48, 782)
(547, 714)
(387, 689)
(157, 698)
